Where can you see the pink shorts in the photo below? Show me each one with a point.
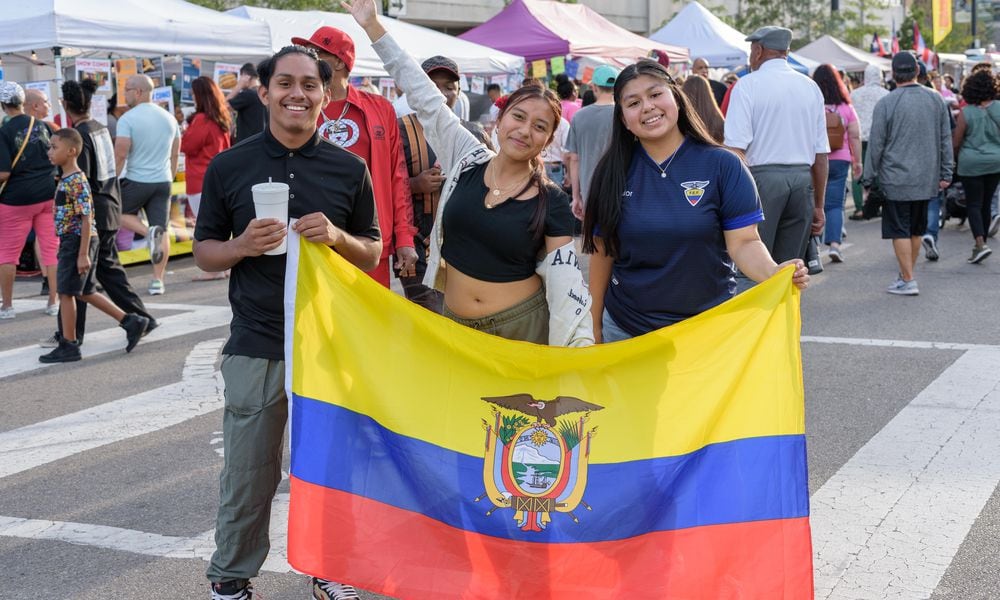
(15, 224)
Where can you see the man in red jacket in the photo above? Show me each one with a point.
(365, 124)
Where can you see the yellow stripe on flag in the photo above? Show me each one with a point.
(359, 346)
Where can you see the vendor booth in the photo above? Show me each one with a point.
(420, 42)
(706, 36)
(829, 49)
(541, 29)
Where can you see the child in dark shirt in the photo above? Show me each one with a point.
(74, 224)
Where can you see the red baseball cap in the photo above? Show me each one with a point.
(332, 40)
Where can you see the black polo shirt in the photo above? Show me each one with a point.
(321, 177)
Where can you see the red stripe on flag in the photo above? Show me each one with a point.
(351, 539)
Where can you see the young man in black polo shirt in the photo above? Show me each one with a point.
(331, 195)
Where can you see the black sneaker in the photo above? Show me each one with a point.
(232, 590)
(153, 324)
(66, 351)
(45, 286)
(134, 326)
(331, 590)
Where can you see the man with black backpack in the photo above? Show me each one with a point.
(909, 151)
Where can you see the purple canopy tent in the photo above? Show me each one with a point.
(537, 29)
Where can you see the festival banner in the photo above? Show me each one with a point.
(226, 75)
(588, 74)
(97, 69)
(538, 69)
(558, 65)
(672, 465)
(572, 68)
(940, 20)
(124, 68)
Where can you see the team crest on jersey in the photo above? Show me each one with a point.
(344, 133)
(694, 190)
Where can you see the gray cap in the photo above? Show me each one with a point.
(772, 38)
(11, 94)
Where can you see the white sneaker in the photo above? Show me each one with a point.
(331, 590)
(156, 287)
(52, 309)
(7, 313)
(994, 226)
(156, 244)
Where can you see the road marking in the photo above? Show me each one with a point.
(30, 305)
(890, 521)
(25, 359)
(896, 343)
(199, 392)
(150, 544)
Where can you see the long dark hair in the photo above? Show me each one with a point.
(538, 177)
(604, 200)
(831, 84)
(700, 94)
(208, 99)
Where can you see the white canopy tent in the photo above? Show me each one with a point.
(706, 35)
(829, 49)
(420, 42)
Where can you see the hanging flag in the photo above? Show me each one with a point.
(923, 52)
(876, 47)
(668, 466)
(940, 20)
(539, 69)
(894, 44)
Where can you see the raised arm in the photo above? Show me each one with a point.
(442, 127)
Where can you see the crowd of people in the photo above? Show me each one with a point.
(569, 219)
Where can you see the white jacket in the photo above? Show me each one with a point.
(458, 150)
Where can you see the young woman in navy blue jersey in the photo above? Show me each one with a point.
(670, 214)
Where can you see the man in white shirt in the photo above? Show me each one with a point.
(776, 120)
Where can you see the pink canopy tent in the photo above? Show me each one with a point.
(537, 29)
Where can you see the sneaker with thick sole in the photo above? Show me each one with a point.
(930, 247)
(331, 590)
(156, 244)
(134, 326)
(66, 351)
(835, 255)
(979, 253)
(994, 226)
(50, 342)
(904, 288)
(52, 309)
(7, 313)
(156, 287)
(232, 590)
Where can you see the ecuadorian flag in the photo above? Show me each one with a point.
(430, 460)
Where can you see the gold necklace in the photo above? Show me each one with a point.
(499, 195)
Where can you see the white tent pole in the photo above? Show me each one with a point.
(57, 53)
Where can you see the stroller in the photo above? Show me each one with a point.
(953, 206)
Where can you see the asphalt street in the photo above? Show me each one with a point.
(901, 399)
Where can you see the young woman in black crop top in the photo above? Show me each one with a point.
(498, 214)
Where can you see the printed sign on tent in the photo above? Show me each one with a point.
(463, 82)
(500, 80)
(164, 96)
(227, 75)
(588, 74)
(190, 70)
(478, 85)
(99, 109)
(124, 68)
(97, 69)
(1, 73)
(153, 68)
(41, 86)
(558, 65)
(513, 82)
(538, 68)
(386, 85)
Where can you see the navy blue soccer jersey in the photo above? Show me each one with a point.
(673, 262)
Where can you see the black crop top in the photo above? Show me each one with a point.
(496, 244)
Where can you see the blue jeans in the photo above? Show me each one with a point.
(833, 206)
(610, 331)
(934, 216)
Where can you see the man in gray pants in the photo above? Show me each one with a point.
(776, 121)
(910, 153)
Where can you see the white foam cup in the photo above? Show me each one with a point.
(270, 201)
